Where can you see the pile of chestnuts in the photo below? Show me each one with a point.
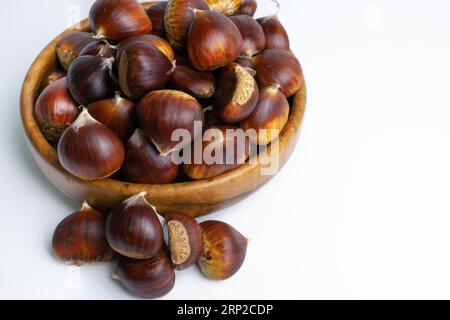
(134, 232)
(119, 92)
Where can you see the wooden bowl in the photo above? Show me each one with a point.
(195, 198)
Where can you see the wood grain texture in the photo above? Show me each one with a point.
(194, 198)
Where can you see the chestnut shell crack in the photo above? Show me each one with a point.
(179, 242)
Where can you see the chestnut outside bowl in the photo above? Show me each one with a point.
(194, 198)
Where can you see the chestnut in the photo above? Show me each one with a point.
(162, 112)
(185, 239)
(252, 33)
(156, 41)
(214, 40)
(178, 18)
(68, 48)
(237, 94)
(80, 238)
(271, 113)
(143, 68)
(225, 148)
(118, 114)
(156, 14)
(226, 7)
(133, 229)
(249, 7)
(117, 20)
(276, 35)
(149, 279)
(224, 250)
(100, 49)
(143, 164)
(52, 77)
(55, 110)
(245, 62)
(90, 79)
(201, 85)
(89, 150)
(278, 66)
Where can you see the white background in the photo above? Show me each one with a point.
(362, 210)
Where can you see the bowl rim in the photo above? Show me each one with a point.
(29, 94)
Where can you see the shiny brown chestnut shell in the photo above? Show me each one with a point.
(117, 20)
(70, 45)
(100, 49)
(201, 85)
(52, 77)
(249, 7)
(224, 250)
(156, 14)
(149, 279)
(226, 7)
(143, 163)
(55, 110)
(80, 238)
(133, 229)
(154, 40)
(143, 68)
(276, 35)
(162, 112)
(118, 114)
(89, 150)
(245, 62)
(225, 148)
(236, 95)
(90, 79)
(271, 113)
(252, 34)
(185, 239)
(178, 18)
(214, 40)
(278, 66)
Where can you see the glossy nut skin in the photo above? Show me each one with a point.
(134, 230)
(151, 39)
(99, 49)
(52, 77)
(214, 40)
(156, 14)
(143, 164)
(89, 150)
(185, 239)
(55, 110)
(149, 279)
(70, 45)
(278, 66)
(118, 114)
(245, 62)
(80, 238)
(143, 68)
(218, 140)
(226, 7)
(117, 20)
(276, 35)
(224, 250)
(249, 7)
(89, 79)
(271, 113)
(237, 94)
(201, 85)
(178, 18)
(162, 112)
(252, 33)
